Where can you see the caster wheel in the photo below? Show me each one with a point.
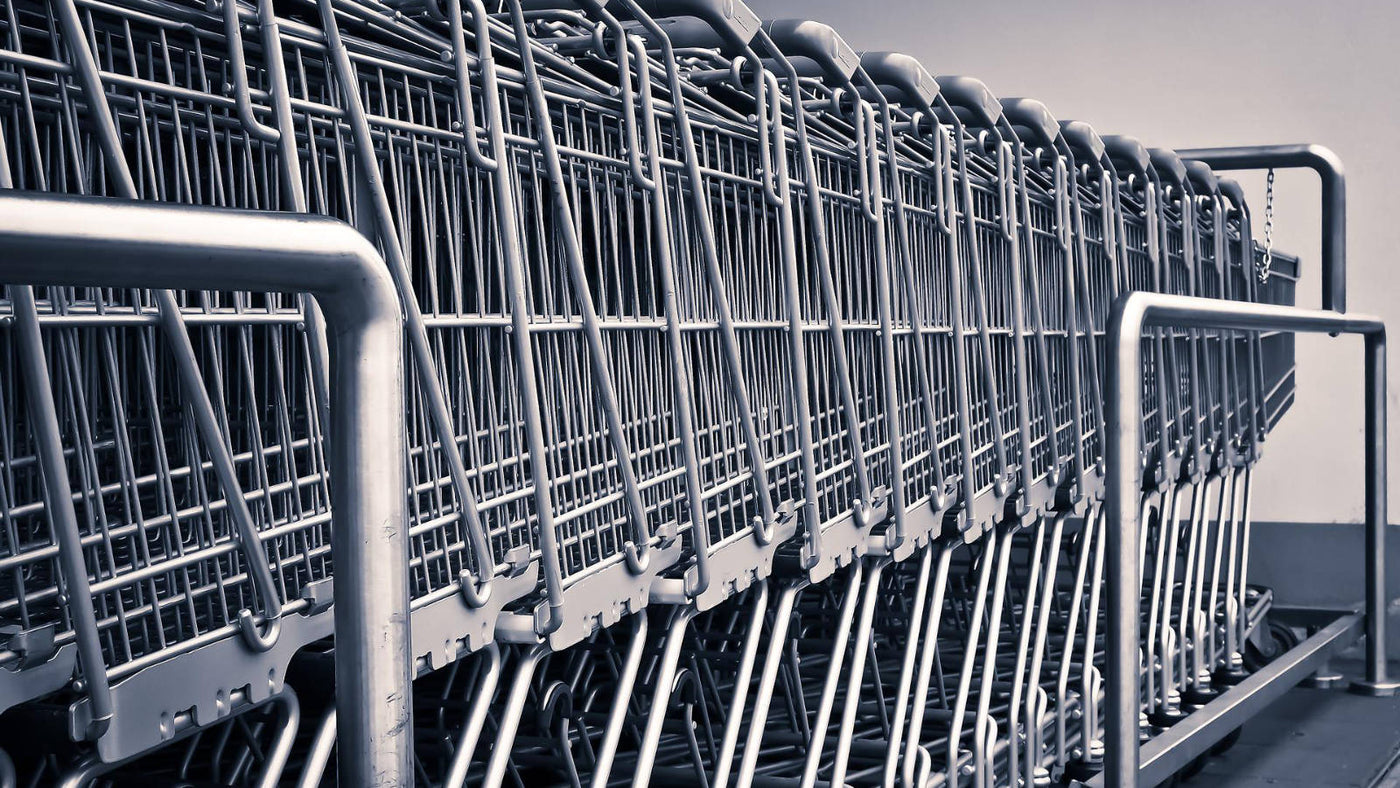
(1193, 768)
(1224, 745)
(1079, 771)
(1165, 720)
(1276, 640)
(1199, 697)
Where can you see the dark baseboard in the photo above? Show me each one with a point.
(1319, 564)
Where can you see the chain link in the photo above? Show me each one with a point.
(1266, 266)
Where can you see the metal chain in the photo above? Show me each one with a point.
(1267, 265)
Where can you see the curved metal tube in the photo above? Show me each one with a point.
(1132, 315)
(518, 695)
(484, 692)
(97, 242)
(319, 752)
(486, 62)
(243, 100)
(1328, 166)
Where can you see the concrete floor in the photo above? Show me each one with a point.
(1314, 737)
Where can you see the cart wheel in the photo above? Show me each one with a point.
(1278, 638)
(1193, 768)
(1224, 745)
(1079, 772)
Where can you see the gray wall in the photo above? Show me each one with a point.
(1184, 73)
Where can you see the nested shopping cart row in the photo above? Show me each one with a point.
(724, 343)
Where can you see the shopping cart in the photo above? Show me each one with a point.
(987, 390)
(1101, 245)
(1152, 261)
(992, 303)
(937, 224)
(1088, 237)
(1258, 413)
(1049, 257)
(1241, 284)
(1235, 424)
(1090, 212)
(851, 378)
(1191, 256)
(1050, 445)
(574, 322)
(1138, 198)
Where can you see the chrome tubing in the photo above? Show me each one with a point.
(1328, 166)
(92, 242)
(1133, 314)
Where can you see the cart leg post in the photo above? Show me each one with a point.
(1376, 683)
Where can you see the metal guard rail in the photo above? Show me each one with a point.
(1132, 315)
(1328, 166)
(51, 240)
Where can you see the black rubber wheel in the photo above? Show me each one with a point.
(1277, 639)
(1193, 768)
(1077, 772)
(1224, 745)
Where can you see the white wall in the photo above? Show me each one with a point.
(1186, 73)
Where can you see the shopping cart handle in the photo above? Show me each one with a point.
(820, 44)
(1034, 118)
(732, 21)
(1231, 190)
(972, 95)
(1202, 176)
(1167, 163)
(687, 32)
(1082, 137)
(1128, 151)
(896, 72)
(435, 6)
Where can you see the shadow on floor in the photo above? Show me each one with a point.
(1313, 737)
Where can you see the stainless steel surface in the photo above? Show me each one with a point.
(65, 241)
(1328, 167)
(1133, 315)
